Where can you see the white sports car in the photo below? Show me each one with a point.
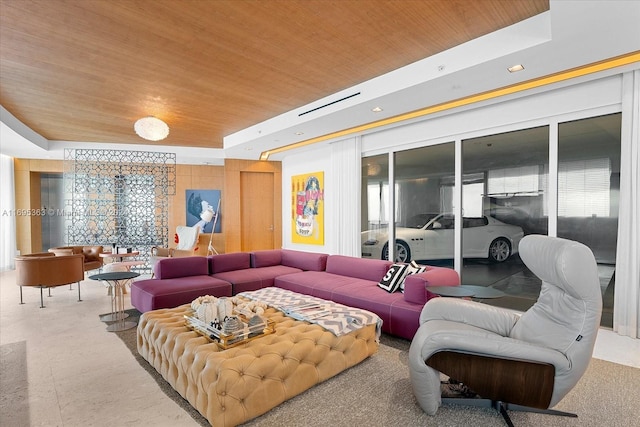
(430, 236)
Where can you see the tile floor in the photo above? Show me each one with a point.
(78, 374)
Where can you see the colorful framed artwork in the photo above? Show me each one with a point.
(202, 209)
(307, 208)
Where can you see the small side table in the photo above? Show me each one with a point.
(466, 291)
(483, 292)
(118, 279)
(451, 291)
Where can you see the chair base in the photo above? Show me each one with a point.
(49, 290)
(503, 407)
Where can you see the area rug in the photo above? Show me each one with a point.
(378, 392)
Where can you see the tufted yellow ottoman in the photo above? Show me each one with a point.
(229, 387)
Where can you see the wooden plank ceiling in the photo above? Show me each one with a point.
(85, 70)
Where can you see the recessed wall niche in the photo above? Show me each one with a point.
(118, 197)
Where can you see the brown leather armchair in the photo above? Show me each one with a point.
(91, 254)
(46, 270)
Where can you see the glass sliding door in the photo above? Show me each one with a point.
(588, 191)
(374, 209)
(504, 197)
(423, 189)
(424, 194)
(375, 192)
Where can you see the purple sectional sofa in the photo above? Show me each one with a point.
(342, 279)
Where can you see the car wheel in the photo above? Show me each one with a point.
(499, 250)
(403, 253)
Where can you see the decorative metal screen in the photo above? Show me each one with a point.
(117, 197)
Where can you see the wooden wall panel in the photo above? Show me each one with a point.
(196, 177)
(257, 214)
(231, 203)
(22, 177)
(43, 165)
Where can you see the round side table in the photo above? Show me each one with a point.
(483, 292)
(118, 279)
(451, 291)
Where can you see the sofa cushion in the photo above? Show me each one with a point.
(290, 258)
(229, 262)
(404, 318)
(251, 279)
(394, 278)
(316, 283)
(310, 261)
(170, 268)
(400, 318)
(153, 294)
(266, 258)
(368, 296)
(368, 269)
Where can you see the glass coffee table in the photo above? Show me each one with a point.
(118, 281)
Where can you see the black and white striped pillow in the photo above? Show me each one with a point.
(394, 278)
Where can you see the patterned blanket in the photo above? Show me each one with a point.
(336, 318)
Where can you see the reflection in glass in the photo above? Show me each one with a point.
(511, 181)
(588, 191)
(422, 181)
(504, 196)
(375, 179)
(423, 190)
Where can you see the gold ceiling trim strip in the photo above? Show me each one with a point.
(495, 93)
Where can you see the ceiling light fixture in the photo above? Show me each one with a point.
(515, 68)
(376, 109)
(151, 128)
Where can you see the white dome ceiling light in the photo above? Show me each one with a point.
(151, 128)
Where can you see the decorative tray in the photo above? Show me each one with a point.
(247, 330)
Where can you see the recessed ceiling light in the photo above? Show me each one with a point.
(376, 109)
(299, 133)
(515, 68)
